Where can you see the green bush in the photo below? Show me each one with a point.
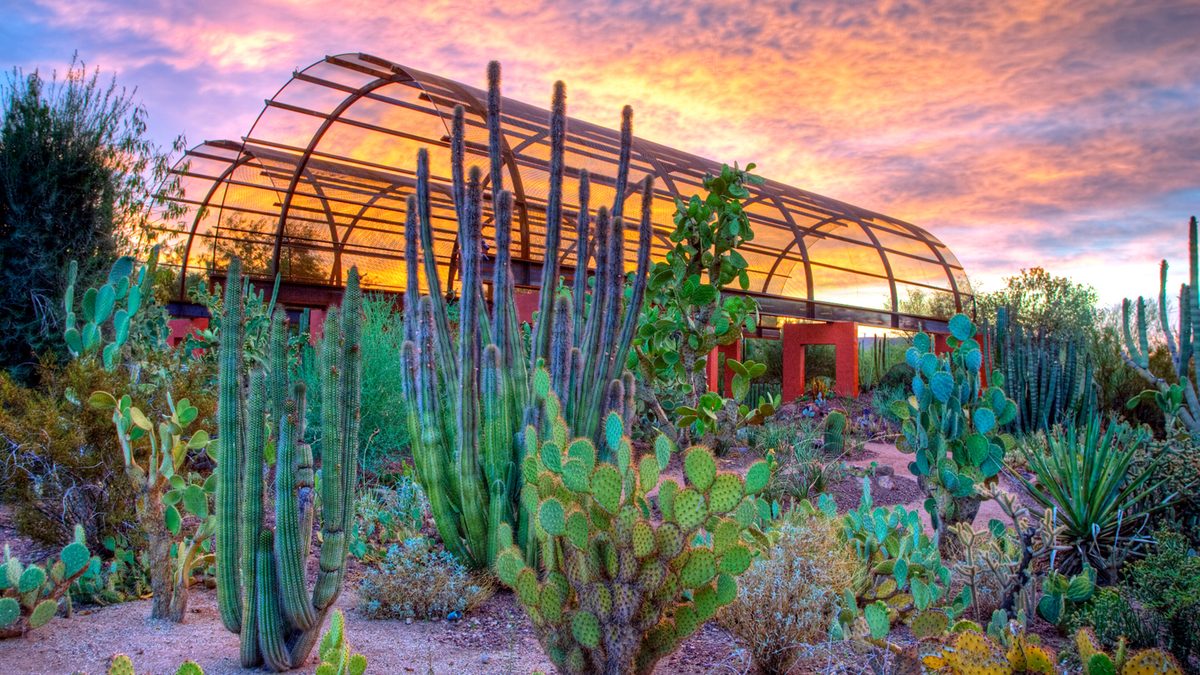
(386, 515)
(1167, 583)
(418, 581)
(1112, 617)
(789, 599)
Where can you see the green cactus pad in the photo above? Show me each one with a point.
(550, 603)
(577, 477)
(10, 611)
(121, 665)
(42, 613)
(75, 557)
(552, 456)
(652, 574)
(601, 599)
(508, 565)
(725, 493)
(552, 517)
(614, 429)
(736, 560)
(878, 622)
(1151, 662)
(31, 579)
(193, 668)
(725, 535)
(700, 468)
(686, 621)
(1100, 664)
(690, 511)
(961, 327)
(942, 386)
(583, 450)
(527, 587)
(746, 512)
(530, 469)
(930, 623)
(606, 487)
(643, 539)
(706, 603)
(670, 540)
(726, 589)
(576, 662)
(577, 529)
(648, 473)
(757, 477)
(666, 498)
(700, 568)
(624, 456)
(663, 449)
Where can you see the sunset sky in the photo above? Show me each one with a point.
(1063, 134)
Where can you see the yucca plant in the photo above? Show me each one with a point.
(1087, 478)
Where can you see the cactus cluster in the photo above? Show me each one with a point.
(336, 658)
(123, 665)
(29, 594)
(261, 586)
(901, 576)
(1178, 400)
(617, 592)
(157, 464)
(1062, 595)
(835, 432)
(471, 397)
(971, 652)
(1144, 662)
(117, 301)
(951, 423)
(1050, 379)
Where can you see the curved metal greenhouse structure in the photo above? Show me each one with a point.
(319, 184)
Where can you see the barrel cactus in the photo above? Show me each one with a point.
(261, 585)
(835, 432)
(951, 423)
(617, 592)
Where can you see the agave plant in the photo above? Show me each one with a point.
(1086, 477)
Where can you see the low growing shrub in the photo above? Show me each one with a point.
(418, 581)
(1167, 583)
(789, 599)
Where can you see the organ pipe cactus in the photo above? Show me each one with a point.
(471, 396)
(261, 589)
(1051, 380)
(617, 591)
(951, 424)
(1178, 400)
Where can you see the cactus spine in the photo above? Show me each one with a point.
(1051, 380)
(472, 398)
(1178, 401)
(261, 588)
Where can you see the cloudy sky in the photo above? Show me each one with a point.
(1059, 133)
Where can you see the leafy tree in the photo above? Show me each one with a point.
(1042, 302)
(686, 314)
(78, 179)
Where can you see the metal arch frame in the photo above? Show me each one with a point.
(789, 206)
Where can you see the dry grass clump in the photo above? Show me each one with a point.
(786, 602)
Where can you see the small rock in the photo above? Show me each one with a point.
(485, 658)
(885, 483)
(884, 470)
(408, 621)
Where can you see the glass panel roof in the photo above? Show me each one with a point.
(319, 184)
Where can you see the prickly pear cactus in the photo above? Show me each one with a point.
(123, 665)
(951, 423)
(29, 594)
(110, 309)
(1145, 662)
(336, 658)
(617, 592)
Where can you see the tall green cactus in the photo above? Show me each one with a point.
(471, 398)
(952, 426)
(261, 588)
(1178, 400)
(1051, 380)
(616, 591)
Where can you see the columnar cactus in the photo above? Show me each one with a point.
(1179, 401)
(29, 594)
(1050, 379)
(617, 592)
(471, 399)
(261, 588)
(952, 426)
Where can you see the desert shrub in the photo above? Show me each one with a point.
(1179, 471)
(1167, 583)
(418, 581)
(899, 376)
(882, 399)
(1112, 617)
(788, 600)
(386, 515)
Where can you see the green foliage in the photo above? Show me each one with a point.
(261, 571)
(1113, 619)
(1086, 477)
(952, 425)
(1063, 597)
(386, 515)
(417, 581)
(471, 399)
(1044, 304)
(1097, 662)
(618, 592)
(336, 658)
(788, 598)
(78, 178)
(1177, 398)
(900, 572)
(1167, 583)
(159, 464)
(686, 316)
(30, 594)
(125, 577)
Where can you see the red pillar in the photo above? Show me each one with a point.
(183, 327)
(939, 344)
(526, 300)
(843, 335)
(316, 326)
(733, 351)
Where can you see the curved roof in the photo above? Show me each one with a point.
(320, 182)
